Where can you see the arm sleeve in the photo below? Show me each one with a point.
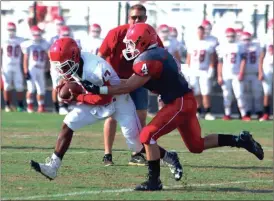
(24, 47)
(106, 46)
(92, 99)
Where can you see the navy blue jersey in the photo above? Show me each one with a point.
(166, 77)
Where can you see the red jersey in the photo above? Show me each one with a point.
(112, 47)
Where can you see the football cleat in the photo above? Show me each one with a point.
(20, 109)
(209, 117)
(7, 109)
(30, 108)
(245, 140)
(246, 118)
(107, 160)
(138, 159)
(41, 109)
(175, 167)
(150, 185)
(265, 117)
(226, 118)
(48, 169)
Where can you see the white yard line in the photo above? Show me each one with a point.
(129, 190)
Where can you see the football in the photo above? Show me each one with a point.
(73, 86)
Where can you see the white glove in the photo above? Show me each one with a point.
(210, 73)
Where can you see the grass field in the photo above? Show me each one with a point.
(218, 174)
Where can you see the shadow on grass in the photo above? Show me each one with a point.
(230, 167)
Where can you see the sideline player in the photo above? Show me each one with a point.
(155, 69)
(94, 41)
(253, 87)
(200, 59)
(12, 68)
(266, 69)
(65, 56)
(231, 70)
(36, 63)
(111, 51)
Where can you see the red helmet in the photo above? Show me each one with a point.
(11, 28)
(64, 56)
(246, 35)
(95, 30)
(64, 31)
(36, 32)
(207, 26)
(163, 31)
(173, 32)
(270, 24)
(230, 34)
(139, 38)
(59, 20)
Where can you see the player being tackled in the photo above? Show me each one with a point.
(157, 70)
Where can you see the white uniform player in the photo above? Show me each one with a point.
(99, 72)
(35, 66)
(201, 64)
(93, 41)
(212, 39)
(12, 67)
(253, 87)
(266, 69)
(232, 57)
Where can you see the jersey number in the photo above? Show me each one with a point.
(252, 57)
(233, 58)
(106, 77)
(38, 55)
(202, 54)
(15, 52)
(144, 69)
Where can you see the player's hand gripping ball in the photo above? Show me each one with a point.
(69, 91)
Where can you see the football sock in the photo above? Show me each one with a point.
(207, 110)
(227, 140)
(199, 110)
(266, 109)
(154, 169)
(20, 104)
(59, 155)
(56, 106)
(162, 152)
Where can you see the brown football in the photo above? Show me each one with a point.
(73, 86)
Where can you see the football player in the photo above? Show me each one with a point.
(36, 63)
(200, 59)
(111, 50)
(231, 70)
(156, 69)
(266, 69)
(73, 65)
(12, 68)
(94, 41)
(253, 87)
(208, 28)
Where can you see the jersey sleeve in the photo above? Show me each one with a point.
(25, 47)
(153, 68)
(107, 44)
(93, 99)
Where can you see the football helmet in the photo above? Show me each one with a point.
(173, 32)
(95, 30)
(11, 28)
(239, 34)
(64, 56)
(59, 21)
(246, 37)
(36, 33)
(65, 31)
(163, 31)
(207, 26)
(139, 38)
(230, 35)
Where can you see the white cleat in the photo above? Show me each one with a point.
(209, 117)
(7, 109)
(63, 111)
(48, 169)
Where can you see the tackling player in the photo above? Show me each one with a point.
(12, 67)
(266, 69)
(155, 69)
(70, 62)
(36, 63)
(111, 50)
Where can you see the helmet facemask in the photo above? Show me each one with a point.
(231, 38)
(12, 33)
(66, 70)
(130, 52)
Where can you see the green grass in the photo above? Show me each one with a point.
(217, 174)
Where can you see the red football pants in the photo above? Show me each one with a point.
(180, 114)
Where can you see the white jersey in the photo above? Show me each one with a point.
(231, 54)
(172, 45)
(53, 39)
(11, 51)
(200, 51)
(37, 52)
(267, 44)
(92, 45)
(213, 40)
(98, 71)
(253, 52)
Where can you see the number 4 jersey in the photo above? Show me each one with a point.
(11, 51)
(37, 52)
